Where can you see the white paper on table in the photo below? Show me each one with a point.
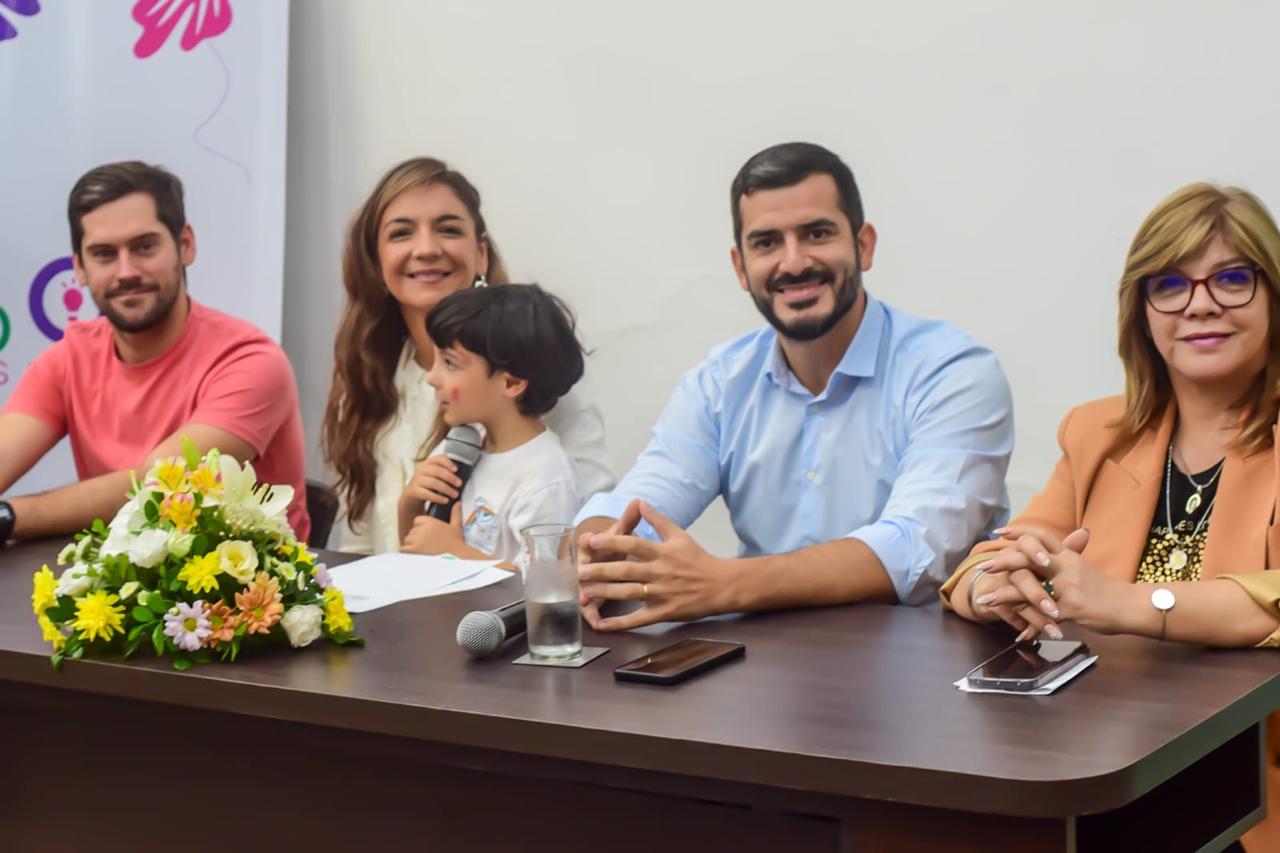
(1043, 690)
(383, 579)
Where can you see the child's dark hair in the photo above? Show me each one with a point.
(519, 328)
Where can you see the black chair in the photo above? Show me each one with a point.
(322, 506)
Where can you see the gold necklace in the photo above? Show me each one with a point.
(1177, 559)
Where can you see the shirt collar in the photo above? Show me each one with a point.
(859, 358)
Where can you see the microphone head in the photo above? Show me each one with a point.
(481, 632)
(463, 444)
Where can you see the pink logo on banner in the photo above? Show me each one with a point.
(159, 18)
(57, 298)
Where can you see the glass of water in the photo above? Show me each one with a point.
(551, 591)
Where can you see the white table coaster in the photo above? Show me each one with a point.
(589, 653)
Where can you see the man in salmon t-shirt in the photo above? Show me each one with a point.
(157, 367)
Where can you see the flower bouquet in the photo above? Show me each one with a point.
(198, 562)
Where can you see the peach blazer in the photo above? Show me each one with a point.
(1110, 483)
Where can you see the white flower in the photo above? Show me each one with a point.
(131, 517)
(67, 554)
(82, 548)
(249, 504)
(180, 543)
(117, 542)
(285, 569)
(238, 559)
(75, 581)
(302, 624)
(149, 548)
(127, 591)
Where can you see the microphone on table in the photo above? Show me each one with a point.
(462, 445)
(481, 632)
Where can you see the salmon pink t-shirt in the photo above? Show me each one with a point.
(222, 372)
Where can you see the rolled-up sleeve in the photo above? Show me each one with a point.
(949, 490)
(1264, 589)
(678, 473)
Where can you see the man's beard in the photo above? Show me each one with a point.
(810, 329)
(165, 299)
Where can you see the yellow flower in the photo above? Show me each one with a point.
(181, 510)
(98, 615)
(205, 481)
(51, 634)
(336, 617)
(201, 573)
(170, 473)
(43, 584)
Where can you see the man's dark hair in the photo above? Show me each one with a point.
(114, 181)
(786, 165)
(519, 328)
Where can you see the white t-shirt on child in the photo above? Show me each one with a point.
(534, 483)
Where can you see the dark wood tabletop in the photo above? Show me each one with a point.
(853, 701)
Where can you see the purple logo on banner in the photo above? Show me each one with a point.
(56, 298)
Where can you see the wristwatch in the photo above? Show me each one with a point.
(1162, 599)
(7, 521)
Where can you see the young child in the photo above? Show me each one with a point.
(503, 356)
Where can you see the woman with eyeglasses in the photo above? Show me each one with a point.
(1160, 517)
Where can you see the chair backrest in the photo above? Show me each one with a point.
(322, 506)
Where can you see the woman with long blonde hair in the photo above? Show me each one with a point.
(1160, 517)
(418, 237)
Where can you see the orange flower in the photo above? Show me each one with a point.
(223, 622)
(260, 604)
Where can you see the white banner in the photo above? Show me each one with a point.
(196, 86)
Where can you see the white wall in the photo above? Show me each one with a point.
(1006, 151)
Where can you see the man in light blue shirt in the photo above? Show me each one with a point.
(861, 451)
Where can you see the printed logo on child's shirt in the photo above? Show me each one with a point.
(482, 528)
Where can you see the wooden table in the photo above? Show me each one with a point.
(840, 730)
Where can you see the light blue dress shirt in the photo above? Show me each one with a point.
(905, 449)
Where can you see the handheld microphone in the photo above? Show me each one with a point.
(462, 445)
(481, 632)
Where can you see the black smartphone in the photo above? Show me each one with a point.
(677, 662)
(1028, 665)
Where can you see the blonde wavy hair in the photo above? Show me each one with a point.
(1179, 227)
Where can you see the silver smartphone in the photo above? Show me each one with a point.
(1027, 665)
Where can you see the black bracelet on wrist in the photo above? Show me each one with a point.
(7, 522)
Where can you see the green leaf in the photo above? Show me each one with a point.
(131, 646)
(347, 639)
(152, 512)
(181, 664)
(143, 614)
(157, 639)
(77, 652)
(63, 610)
(136, 631)
(99, 527)
(56, 660)
(158, 604)
(201, 656)
(190, 452)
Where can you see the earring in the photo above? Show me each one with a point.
(480, 281)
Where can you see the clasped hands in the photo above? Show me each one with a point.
(675, 578)
(1039, 581)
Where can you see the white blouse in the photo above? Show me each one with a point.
(574, 420)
